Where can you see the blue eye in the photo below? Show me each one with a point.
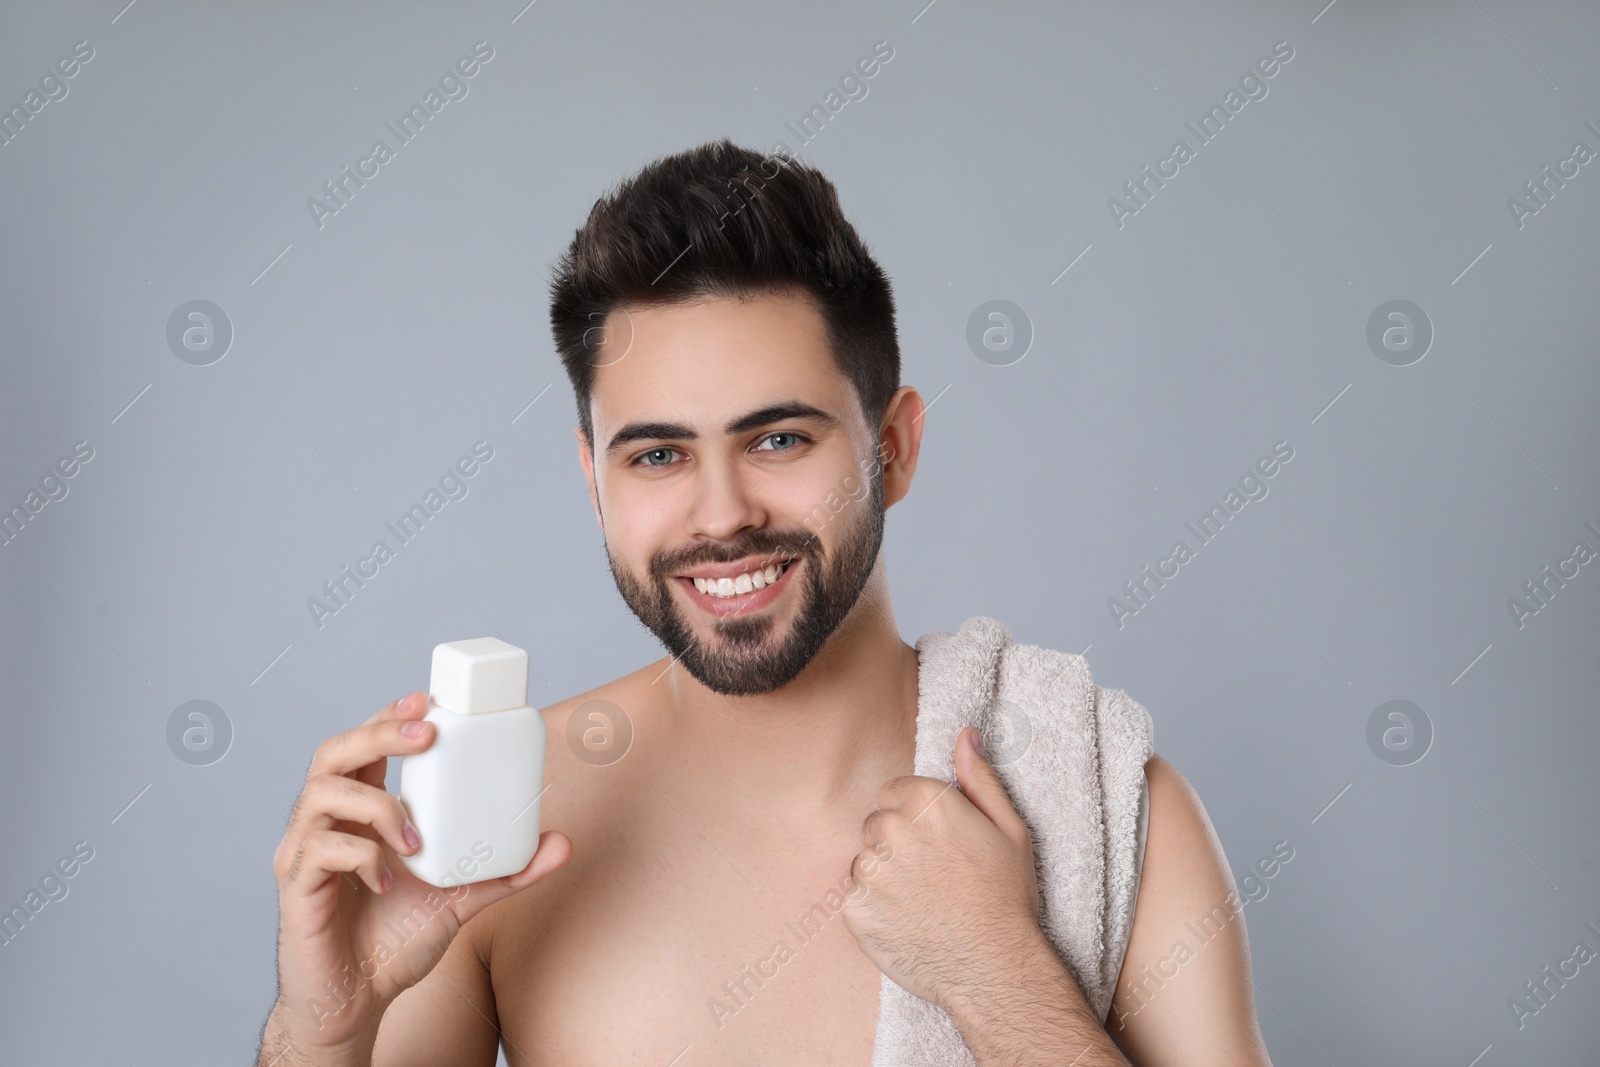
(656, 452)
(772, 436)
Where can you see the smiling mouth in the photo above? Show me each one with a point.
(738, 594)
(738, 585)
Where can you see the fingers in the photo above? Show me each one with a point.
(982, 785)
(323, 854)
(862, 868)
(374, 741)
(554, 849)
(875, 828)
(929, 802)
(913, 794)
(413, 705)
(331, 798)
(345, 781)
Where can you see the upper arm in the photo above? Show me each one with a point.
(1184, 994)
(449, 1016)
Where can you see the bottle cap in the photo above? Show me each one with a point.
(479, 675)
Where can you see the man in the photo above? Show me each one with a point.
(732, 350)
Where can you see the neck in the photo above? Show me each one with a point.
(844, 726)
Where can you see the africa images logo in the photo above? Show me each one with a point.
(452, 86)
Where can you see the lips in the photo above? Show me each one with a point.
(737, 567)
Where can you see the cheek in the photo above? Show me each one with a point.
(817, 499)
(639, 522)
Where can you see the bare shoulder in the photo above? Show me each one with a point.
(454, 1014)
(1184, 994)
(612, 704)
(592, 741)
(1179, 830)
(595, 728)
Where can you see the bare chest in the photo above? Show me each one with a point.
(676, 952)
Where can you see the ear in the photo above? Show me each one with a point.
(586, 460)
(900, 442)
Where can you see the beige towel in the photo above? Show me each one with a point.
(1072, 758)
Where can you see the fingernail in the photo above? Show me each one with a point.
(404, 703)
(413, 839)
(385, 877)
(412, 729)
(977, 742)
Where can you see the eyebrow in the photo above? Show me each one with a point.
(654, 431)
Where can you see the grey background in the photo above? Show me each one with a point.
(1228, 315)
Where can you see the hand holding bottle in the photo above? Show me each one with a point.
(357, 928)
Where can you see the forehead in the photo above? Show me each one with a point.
(700, 361)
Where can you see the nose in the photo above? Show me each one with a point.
(725, 501)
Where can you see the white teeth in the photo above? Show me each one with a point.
(744, 583)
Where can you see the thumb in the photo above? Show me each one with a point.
(554, 849)
(981, 782)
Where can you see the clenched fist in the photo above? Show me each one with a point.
(951, 899)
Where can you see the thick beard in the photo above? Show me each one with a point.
(742, 666)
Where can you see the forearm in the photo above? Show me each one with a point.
(1033, 1015)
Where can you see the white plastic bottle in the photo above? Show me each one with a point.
(474, 793)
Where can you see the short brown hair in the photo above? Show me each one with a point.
(712, 221)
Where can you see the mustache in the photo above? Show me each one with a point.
(757, 543)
